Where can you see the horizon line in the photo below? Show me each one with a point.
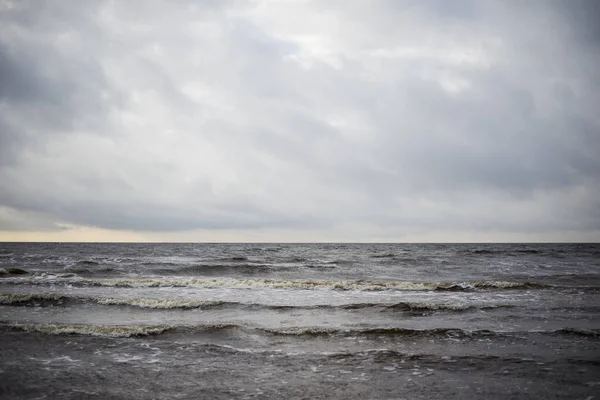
(268, 242)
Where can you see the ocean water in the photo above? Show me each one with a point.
(311, 321)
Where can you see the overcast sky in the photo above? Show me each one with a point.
(299, 120)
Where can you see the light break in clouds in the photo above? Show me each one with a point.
(292, 120)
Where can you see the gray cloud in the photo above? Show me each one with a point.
(412, 116)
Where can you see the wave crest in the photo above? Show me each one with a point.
(91, 330)
(178, 303)
(160, 303)
(579, 332)
(23, 299)
(360, 285)
(115, 331)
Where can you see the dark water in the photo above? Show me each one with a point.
(363, 321)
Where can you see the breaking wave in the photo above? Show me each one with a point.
(90, 330)
(141, 330)
(29, 299)
(161, 304)
(308, 332)
(37, 299)
(359, 285)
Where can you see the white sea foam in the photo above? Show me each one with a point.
(8, 299)
(359, 285)
(175, 303)
(91, 330)
(158, 303)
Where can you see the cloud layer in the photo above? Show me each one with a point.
(357, 120)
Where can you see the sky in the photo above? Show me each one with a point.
(300, 120)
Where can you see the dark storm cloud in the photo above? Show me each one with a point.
(410, 116)
(582, 19)
(43, 89)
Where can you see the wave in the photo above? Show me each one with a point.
(340, 262)
(41, 299)
(30, 299)
(237, 258)
(37, 299)
(465, 286)
(505, 251)
(579, 332)
(90, 330)
(426, 307)
(90, 268)
(87, 262)
(77, 270)
(387, 255)
(245, 268)
(295, 260)
(386, 331)
(318, 266)
(230, 259)
(307, 332)
(13, 271)
(144, 330)
(483, 251)
(359, 285)
(163, 304)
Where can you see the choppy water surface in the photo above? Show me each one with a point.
(138, 321)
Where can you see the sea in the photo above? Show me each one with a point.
(299, 321)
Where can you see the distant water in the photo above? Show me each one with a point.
(314, 321)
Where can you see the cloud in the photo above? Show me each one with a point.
(353, 119)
